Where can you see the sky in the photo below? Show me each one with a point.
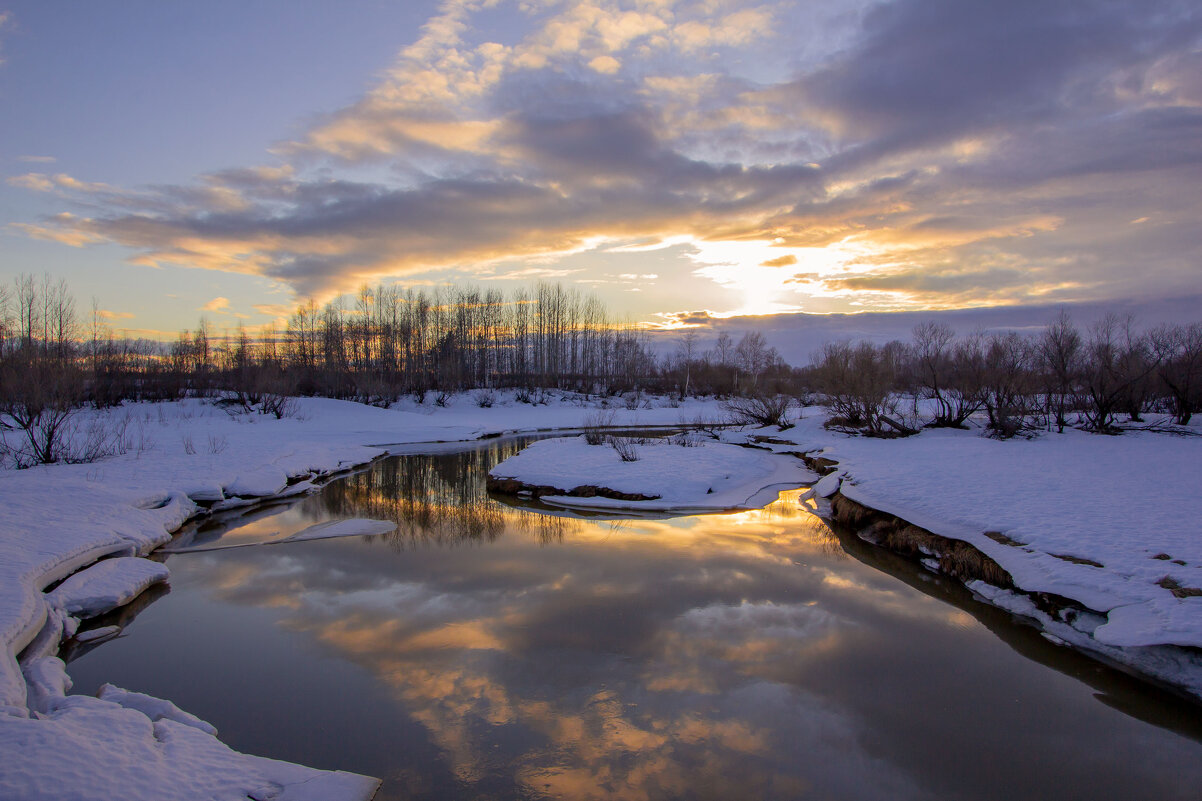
(684, 160)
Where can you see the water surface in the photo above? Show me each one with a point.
(488, 651)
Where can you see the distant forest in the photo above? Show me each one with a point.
(385, 343)
(380, 345)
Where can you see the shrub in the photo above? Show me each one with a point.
(37, 400)
(595, 425)
(626, 448)
(764, 410)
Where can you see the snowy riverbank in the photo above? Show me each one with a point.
(1109, 522)
(685, 475)
(180, 459)
(1099, 534)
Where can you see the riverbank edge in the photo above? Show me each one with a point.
(44, 634)
(1053, 615)
(44, 631)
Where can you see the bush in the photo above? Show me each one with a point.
(626, 448)
(764, 410)
(857, 383)
(38, 397)
(595, 425)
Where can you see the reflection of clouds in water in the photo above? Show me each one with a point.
(631, 660)
(737, 626)
(714, 649)
(449, 658)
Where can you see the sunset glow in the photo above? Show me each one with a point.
(667, 155)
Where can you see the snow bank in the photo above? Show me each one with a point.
(1109, 522)
(106, 585)
(130, 746)
(707, 476)
(179, 457)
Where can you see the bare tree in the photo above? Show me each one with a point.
(37, 398)
(40, 384)
(761, 410)
(29, 318)
(950, 372)
(1009, 382)
(59, 326)
(1060, 354)
(857, 382)
(1179, 355)
(7, 324)
(686, 354)
(1114, 363)
(754, 356)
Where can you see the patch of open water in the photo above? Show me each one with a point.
(490, 651)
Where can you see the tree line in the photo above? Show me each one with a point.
(374, 347)
(1110, 373)
(386, 342)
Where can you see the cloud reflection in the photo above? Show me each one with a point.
(629, 661)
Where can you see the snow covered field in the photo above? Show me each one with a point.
(57, 519)
(1111, 522)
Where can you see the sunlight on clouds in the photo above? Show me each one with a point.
(607, 65)
(32, 180)
(504, 138)
(656, 244)
(733, 30)
(76, 236)
(935, 232)
(106, 314)
(41, 182)
(766, 273)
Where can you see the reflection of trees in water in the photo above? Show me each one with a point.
(436, 500)
(546, 528)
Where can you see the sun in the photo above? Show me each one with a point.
(764, 275)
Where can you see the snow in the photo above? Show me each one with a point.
(106, 585)
(1070, 501)
(153, 708)
(126, 746)
(351, 527)
(707, 476)
(179, 457)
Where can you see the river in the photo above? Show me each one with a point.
(489, 651)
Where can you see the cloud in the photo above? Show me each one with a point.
(782, 261)
(276, 310)
(5, 21)
(684, 319)
(112, 315)
(33, 180)
(216, 305)
(37, 159)
(947, 152)
(605, 64)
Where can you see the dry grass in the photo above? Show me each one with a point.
(1077, 560)
(1002, 539)
(956, 558)
(1172, 585)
